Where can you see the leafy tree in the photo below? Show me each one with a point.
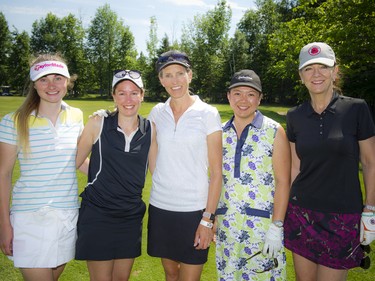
(258, 25)
(19, 60)
(149, 75)
(65, 36)
(72, 47)
(5, 43)
(345, 25)
(110, 45)
(238, 53)
(206, 40)
(46, 35)
(284, 49)
(152, 39)
(285, 43)
(349, 27)
(156, 91)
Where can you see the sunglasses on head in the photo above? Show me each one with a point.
(120, 73)
(270, 265)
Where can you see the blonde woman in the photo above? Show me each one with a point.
(329, 135)
(186, 181)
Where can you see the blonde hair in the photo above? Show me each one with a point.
(22, 114)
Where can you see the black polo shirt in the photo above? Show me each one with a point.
(327, 145)
(116, 177)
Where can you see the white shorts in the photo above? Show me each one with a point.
(45, 238)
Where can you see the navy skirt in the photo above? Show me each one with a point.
(109, 235)
(171, 235)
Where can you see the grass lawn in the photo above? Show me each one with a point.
(145, 267)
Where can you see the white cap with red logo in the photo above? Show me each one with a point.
(316, 52)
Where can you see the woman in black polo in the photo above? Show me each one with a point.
(329, 135)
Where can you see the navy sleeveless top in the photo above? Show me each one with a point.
(116, 177)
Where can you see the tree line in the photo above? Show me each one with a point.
(267, 39)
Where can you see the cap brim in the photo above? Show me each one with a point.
(44, 68)
(48, 72)
(244, 84)
(118, 80)
(324, 61)
(173, 62)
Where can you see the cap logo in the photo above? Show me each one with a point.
(37, 67)
(314, 51)
(48, 67)
(244, 78)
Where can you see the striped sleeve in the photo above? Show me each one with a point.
(8, 132)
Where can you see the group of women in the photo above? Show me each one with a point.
(246, 184)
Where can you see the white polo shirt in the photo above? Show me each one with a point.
(48, 172)
(180, 181)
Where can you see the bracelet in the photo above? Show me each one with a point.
(206, 224)
(370, 207)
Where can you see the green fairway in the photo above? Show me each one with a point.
(145, 267)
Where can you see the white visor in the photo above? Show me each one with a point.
(48, 67)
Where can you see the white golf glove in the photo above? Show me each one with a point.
(100, 113)
(273, 241)
(367, 231)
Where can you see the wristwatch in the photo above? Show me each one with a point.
(278, 223)
(209, 216)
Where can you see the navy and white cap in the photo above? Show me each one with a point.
(172, 57)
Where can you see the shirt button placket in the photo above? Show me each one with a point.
(321, 126)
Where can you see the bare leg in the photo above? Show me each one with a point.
(111, 270)
(171, 269)
(37, 274)
(190, 272)
(305, 269)
(100, 270)
(326, 273)
(122, 269)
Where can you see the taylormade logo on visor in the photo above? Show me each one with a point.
(48, 67)
(41, 66)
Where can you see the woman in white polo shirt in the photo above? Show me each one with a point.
(39, 231)
(186, 181)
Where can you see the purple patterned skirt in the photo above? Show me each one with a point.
(329, 239)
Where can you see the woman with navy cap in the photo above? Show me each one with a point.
(112, 209)
(186, 180)
(39, 231)
(329, 135)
